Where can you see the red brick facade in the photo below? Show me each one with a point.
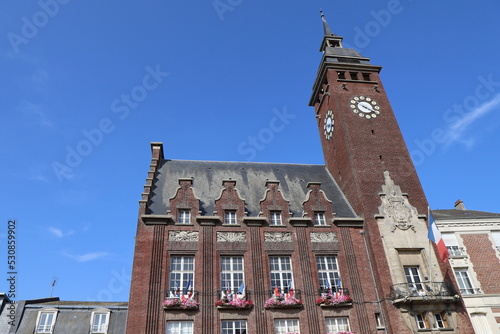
(486, 265)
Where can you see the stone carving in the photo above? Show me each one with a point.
(183, 236)
(323, 237)
(278, 236)
(395, 206)
(231, 236)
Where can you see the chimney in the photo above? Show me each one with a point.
(459, 205)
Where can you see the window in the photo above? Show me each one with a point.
(230, 217)
(276, 218)
(234, 327)
(328, 272)
(231, 273)
(413, 277)
(378, 320)
(354, 75)
(440, 320)
(99, 322)
(184, 217)
(366, 76)
(181, 275)
(338, 324)
(282, 326)
(281, 272)
(464, 282)
(451, 242)
(319, 218)
(341, 75)
(46, 321)
(179, 327)
(421, 320)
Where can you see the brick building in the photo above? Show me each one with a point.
(473, 241)
(239, 247)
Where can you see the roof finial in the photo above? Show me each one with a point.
(326, 28)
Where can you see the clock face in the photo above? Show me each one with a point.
(365, 107)
(328, 126)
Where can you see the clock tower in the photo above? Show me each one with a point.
(365, 153)
(359, 133)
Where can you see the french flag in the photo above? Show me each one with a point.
(435, 237)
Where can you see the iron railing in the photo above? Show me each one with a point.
(422, 290)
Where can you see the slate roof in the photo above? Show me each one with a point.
(452, 214)
(73, 316)
(250, 182)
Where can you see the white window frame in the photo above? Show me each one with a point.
(440, 320)
(230, 217)
(48, 316)
(337, 324)
(280, 269)
(276, 219)
(181, 272)
(234, 327)
(232, 272)
(319, 219)
(464, 281)
(413, 278)
(179, 327)
(184, 216)
(421, 321)
(100, 327)
(328, 269)
(282, 326)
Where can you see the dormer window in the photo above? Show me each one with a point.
(46, 320)
(230, 217)
(276, 218)
(319, 218)
(184, 217)
(99, 322)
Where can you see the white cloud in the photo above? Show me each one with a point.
(59, 233)
(87, 256)
(55, 231)
(456, 130)
(35, 112)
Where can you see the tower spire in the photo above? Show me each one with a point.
(326, 27)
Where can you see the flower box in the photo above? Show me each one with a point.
(289, 302)
(334, 300)
(234, 303)
(180, 304)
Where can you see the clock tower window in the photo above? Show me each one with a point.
(341, 75)
(354, 75)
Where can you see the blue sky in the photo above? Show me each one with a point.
(87, 85)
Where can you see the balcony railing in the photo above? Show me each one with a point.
(181, 293)
(337, 291)
(456, 251)
(406, 292)
(284, 293)
(233, 299)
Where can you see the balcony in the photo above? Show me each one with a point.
(233, 299)
(288, 298)
(456, 252)
(329, 298)
(176, 299)
(423, 292)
